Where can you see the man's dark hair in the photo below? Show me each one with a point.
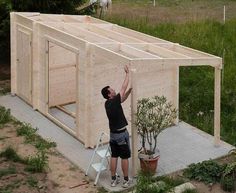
(105, 92)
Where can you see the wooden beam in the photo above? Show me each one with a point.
(66, 111)
(90, 36)
(114, 35)
(138, 35)
(207, 61)
(103, 52)
(137, 52)
(217, 106)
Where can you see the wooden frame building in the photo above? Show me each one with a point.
(60, 63)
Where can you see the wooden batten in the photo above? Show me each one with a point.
(138, 35)
(114, 35)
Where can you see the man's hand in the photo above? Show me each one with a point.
(125, 84)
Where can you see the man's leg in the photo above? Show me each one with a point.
(113, 165)
(125, 167)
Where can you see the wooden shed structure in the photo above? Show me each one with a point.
(59, 63)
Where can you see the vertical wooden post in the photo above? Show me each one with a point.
(176, 102)
(88, 91)
(13, 53)
(217, 106)
(35, 67)
(134, 133)
(77, 101)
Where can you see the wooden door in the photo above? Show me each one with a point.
(24, 66)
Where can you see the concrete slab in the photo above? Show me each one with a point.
(179, 145)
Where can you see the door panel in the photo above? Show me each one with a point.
(24, 80)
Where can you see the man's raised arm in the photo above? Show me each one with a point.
(123, 93)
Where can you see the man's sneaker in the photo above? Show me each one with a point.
(126, 183)
(115, 182)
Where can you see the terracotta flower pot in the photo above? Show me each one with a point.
(149, 164)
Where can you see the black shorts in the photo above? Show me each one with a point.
(120, 146)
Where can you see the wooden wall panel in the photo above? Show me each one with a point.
(62, 87)
(106, 72)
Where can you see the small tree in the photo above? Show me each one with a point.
(153, 116)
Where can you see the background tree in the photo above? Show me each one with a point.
(42, 6)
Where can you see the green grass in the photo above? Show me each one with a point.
(146, 182)
(5, 116)
(190, 191)
(4, 91)
(7, 171)
(10, 154)
(197, 83)
(31, 137)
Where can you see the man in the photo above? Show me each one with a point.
(119, 136)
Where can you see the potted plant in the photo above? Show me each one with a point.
(153, 116)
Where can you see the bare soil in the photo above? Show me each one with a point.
(60, 177)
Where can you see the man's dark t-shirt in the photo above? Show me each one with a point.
(115, 113)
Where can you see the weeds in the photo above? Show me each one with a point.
(31, 137)
(102, 190)
(190, 191)
(7, 171)
(10, 154)
(10, 187)
(5, 116)
(4, 91)
(27, 131)
(37, 163)
(32, 182)
(148, 183)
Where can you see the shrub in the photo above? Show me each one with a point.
(228, 183)
(206, 171)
